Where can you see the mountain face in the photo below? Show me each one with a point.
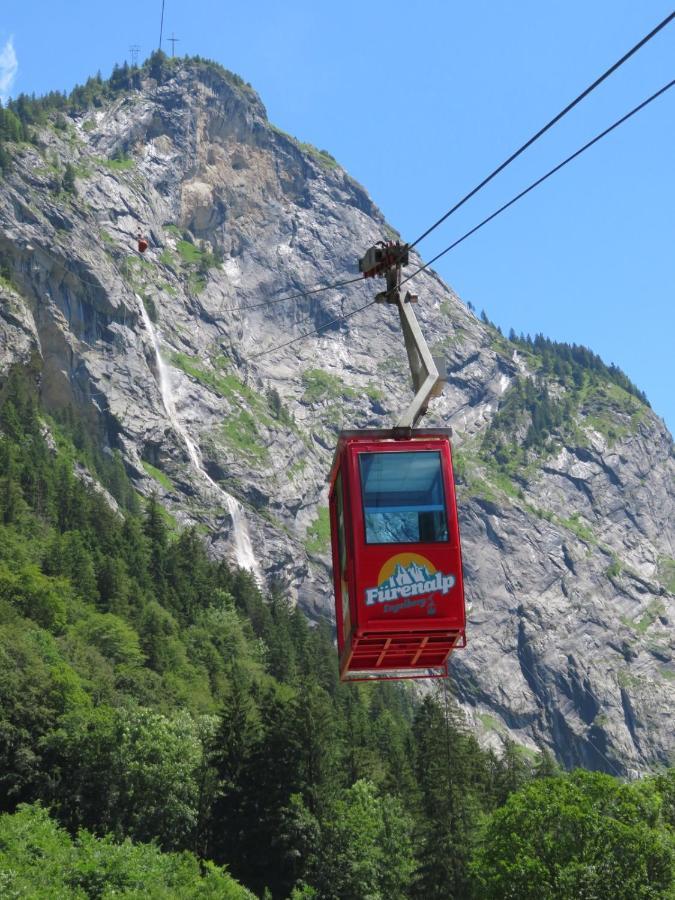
(565, 476)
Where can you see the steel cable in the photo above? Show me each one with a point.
(543, 178)
(489, 218)
(298, 296)
(546, 127)
(585, 737)
(570, 106)
(314, 331)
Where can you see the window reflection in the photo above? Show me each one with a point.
(403, 497)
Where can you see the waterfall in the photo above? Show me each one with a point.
(242, 539)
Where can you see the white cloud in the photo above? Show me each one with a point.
(9, 66)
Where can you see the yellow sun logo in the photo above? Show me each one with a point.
(404, 560)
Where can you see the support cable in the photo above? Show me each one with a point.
(298, 296)
(60, 261)
(467, 234)
(304, 321)
(314, 331)
(557, 118)
(485, 221)
(31, 246)
(546, 127)
(543, 178)
(492, 175)
(161, 27)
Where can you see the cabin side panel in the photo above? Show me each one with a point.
(406, 540)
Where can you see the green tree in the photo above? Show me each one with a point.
(38, 859)
(36, 687)
(77, 562)
(512, 772)
(236, 738)
(445, 759)
(257, 750)
(68, 181)
(112, 636)
(313, 718)
(582, 835)
(156, 533)
(132, 772)
(546, 766)
(362, 848)
(665, 785)
(36, 596)
(158, 65)
(11, 500)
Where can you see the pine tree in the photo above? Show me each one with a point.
(68, 182)
(10, 495)
(361, 756)
(318, 754)
(155, 530)
(448, 804)
(513, 771)
(546, 766)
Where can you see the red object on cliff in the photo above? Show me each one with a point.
(397, 563)
(142, 244)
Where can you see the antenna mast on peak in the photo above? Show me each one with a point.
(161, 26)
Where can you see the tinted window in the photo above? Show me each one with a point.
(403, 497)
(342, 545)
(342, 549)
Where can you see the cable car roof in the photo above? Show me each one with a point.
(382, 434)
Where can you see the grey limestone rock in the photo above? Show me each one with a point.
(569, 565)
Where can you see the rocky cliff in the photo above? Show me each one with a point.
(568, 541)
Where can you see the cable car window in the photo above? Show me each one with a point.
(342, 546)
(403, 497)
(342, 551)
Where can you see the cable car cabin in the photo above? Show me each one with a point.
(397, 564)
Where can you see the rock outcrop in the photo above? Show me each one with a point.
(568, 559)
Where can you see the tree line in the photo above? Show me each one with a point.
(569, 380)
(22, 117)
(572, 361)
(151, 694)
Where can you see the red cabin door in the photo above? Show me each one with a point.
(341, 556)
(396, 556)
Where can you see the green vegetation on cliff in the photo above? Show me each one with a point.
(571, 393)
(26, 114)
(151, 695)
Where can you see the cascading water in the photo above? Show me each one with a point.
(242, 540)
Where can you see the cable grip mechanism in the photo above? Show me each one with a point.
(385, 260)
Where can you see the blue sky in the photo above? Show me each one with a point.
(419, 102)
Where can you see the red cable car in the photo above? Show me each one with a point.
(397, 563)
(397, 560)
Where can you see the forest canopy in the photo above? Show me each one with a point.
(159, 712)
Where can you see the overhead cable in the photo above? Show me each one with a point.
(485, 221)
(319, 290)
(543, 178)
(486, 180)
(546, 127)
(314, 331)
(32, 246)
(533, 680)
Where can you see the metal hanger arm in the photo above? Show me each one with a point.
(427, 382)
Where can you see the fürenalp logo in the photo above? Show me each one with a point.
(407, 583)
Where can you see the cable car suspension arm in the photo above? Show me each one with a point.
(385, 260)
